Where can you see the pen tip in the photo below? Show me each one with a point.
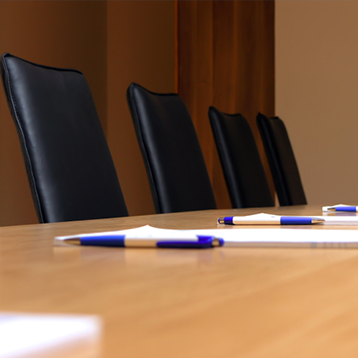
(217, 242)
(318, 221)
(73, 241)
(221, 221)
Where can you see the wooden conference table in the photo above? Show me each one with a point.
(223, 302)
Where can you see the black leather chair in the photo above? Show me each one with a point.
(170, 147)
(240, 160)
(69, 166)
(282, 161)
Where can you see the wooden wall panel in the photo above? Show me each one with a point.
(195, 86)
(140, 49)
(224, 82)
(226, 59)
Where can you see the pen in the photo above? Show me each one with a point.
(270, 220)
(200, 242)
(343, 208)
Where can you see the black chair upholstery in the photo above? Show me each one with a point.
(240, 160)
(68, 162)
(171, 151)
(282, 161)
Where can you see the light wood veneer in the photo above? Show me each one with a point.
(222, 302)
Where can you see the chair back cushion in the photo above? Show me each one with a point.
(240, 159)
(282, 161)
(69, 166)
(172, 155)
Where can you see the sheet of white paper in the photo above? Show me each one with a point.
(340, 220)
(42, 335)
(237, 236)
(286, 237)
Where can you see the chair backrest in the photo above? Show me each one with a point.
(68, 162)
(171, 151)
(240, 160)
(282, 161)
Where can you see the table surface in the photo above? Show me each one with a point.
(222, 302)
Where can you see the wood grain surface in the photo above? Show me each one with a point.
(225, 58)
(237, 302)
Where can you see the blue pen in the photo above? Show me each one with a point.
(201, 242)
(269, 220)
(348, 208)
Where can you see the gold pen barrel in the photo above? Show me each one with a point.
(217, 242)
(73, 241)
